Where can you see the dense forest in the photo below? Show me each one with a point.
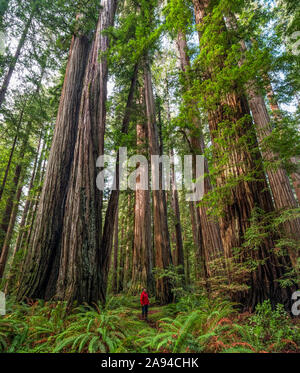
(215, 82)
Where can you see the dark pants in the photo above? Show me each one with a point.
(145, 310)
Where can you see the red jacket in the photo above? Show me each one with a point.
(144, 299)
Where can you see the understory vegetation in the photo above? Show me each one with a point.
(149, 144)
(194, 324)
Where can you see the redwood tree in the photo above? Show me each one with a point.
(142, 262)
(163, 258)
(241, 181)
(43, 251)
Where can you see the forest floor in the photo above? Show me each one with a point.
(192, 324)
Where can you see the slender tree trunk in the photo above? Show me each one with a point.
(28, 201)
(246, 196)
(128, 257)
(10, 230)
(16, 268)
(127, 243)
(121, 262)
(179, 254)
(10, 201)
(11, 154)
(115, 261)
(11, 69)
(197, 238)
(188, 263)
(163, 257)
(46, 236)
(33, 203)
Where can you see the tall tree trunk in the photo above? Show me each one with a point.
(127, 246)
(276, 113)
(33, 203)
(80, 275)
(11, 69)
(121, 262)
(128, 256)
(106, 243)
(245, 196)
(11, 153)
(115, 259)
(10, 230)
(46, 236)
(163, 257)
(210, 231)
(142, 262)
(278, 178)
(196, 237)
(26, 220)
(179, 254)
(28, 201)
(13, 191)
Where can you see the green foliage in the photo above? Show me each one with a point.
(270, 330)
(194, 324)
(91, 331)
(175, 276)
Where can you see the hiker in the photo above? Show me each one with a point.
(145, 304)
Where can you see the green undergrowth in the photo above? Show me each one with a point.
(192, 324)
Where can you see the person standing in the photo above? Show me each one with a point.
(145, 304)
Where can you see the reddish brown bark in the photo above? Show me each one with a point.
(179, 254)
(80, 274)
(211, 245)
(278, 178)
(10, 230)
(115, 256)
(245, 196)
(45, 239)
(163, 257)
(122, 257)
(142, 261)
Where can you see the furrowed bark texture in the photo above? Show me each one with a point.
(46, 236)
(163, 257)
(245, 196)
(210, 231)
(142, 275)
(279, 181)
(179, 253)
(80, 274)
(115, 257)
